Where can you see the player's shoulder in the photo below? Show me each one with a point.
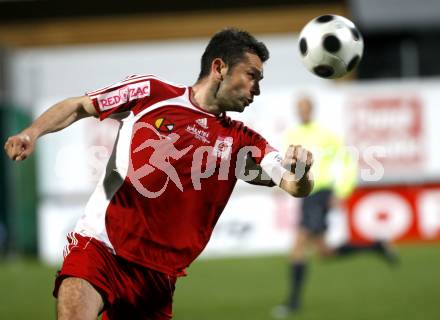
(152, 77)
(241, 128)
(232, 123)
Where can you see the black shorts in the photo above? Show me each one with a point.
(314, 211)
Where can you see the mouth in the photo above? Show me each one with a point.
(248, 101)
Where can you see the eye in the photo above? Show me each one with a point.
(252, 75)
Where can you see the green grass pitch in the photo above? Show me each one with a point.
(362, 287)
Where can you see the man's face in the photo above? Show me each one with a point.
(240, 84)
(305, 110)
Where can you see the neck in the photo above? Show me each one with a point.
(204, 96)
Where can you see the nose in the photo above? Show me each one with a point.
(256, 89)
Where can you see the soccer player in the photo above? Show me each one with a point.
(335, 175)
(174, 165)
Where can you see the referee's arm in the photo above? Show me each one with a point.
(57, 117)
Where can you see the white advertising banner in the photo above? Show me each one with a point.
(390, 127)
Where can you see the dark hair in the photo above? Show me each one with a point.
(230, 45)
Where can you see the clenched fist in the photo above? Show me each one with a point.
(19, 147)
(298, 160)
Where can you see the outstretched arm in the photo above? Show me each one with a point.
(57, 117)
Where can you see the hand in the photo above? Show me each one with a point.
(298, 160)
(19, 147)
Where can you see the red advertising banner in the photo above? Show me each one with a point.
(390, 125)
(396, 213)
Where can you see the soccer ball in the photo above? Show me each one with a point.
(330, 46)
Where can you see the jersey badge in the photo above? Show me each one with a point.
(223, 147)
(163, 125)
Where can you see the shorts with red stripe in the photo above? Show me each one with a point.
(129, 291)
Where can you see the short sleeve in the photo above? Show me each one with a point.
(121, 96)
(267, 156)
(252, 138)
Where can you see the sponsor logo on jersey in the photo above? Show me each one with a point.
(203, 122)
(113, 99)
(223, 147)
(163, 125)
(198, 133)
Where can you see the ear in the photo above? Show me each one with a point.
(218, 69)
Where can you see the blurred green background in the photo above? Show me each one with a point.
(363, 287)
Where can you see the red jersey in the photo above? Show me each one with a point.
(170, 175)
